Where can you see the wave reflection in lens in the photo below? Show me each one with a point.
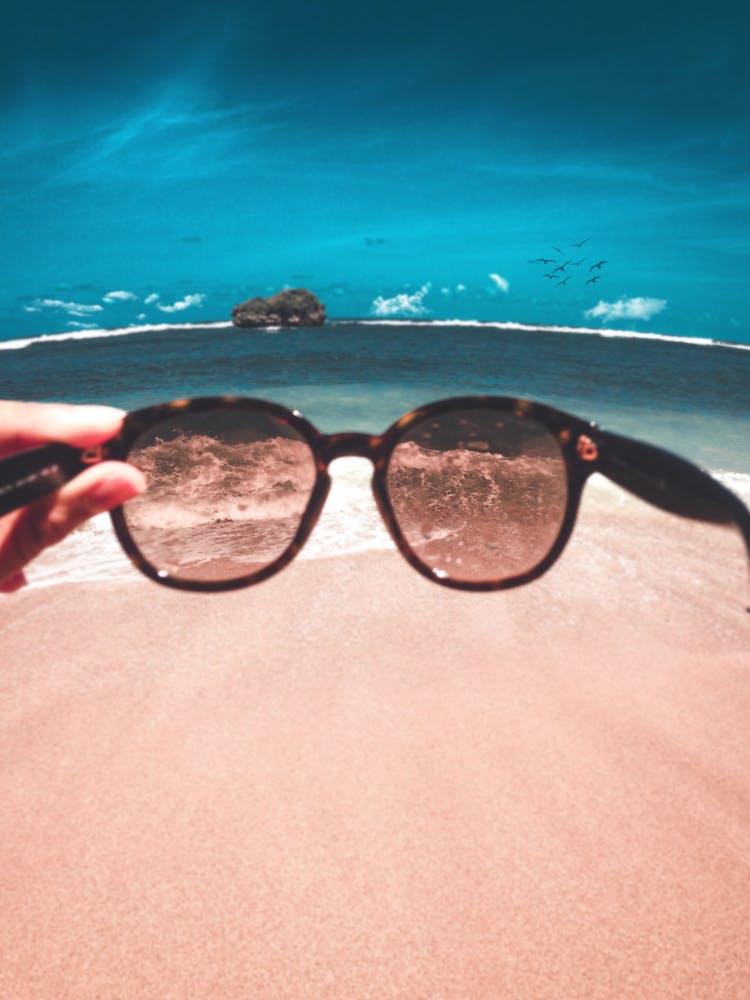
(478, 495)
(226, 493)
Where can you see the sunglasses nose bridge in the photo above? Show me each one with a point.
(350, 444)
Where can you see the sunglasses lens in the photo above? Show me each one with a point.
(227, 491)
(479, 495)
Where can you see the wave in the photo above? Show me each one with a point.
(197, 479)
(737, 482)
(99, 333)
(536, 328)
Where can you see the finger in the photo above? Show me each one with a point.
(13, 583)
(26, 425)
(31, 530)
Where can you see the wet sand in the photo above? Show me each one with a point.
(349, 782)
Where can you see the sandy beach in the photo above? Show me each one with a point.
(349, 782)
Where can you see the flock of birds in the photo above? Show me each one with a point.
(559, 273)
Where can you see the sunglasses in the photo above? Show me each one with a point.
(478, 492)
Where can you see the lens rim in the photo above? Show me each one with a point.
(565, 429)
(138, 422)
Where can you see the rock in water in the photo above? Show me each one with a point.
(292, 307)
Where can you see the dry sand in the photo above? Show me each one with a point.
(348, 782)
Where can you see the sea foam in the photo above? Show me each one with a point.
(100, 333)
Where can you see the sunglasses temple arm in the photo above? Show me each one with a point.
(34, 474)
(671, 483)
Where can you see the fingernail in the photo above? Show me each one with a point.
(115, 489)
(13, 583)
(88, 416)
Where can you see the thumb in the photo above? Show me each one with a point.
(31, 530)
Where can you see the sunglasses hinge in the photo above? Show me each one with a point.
(587, 448)
(95, 454)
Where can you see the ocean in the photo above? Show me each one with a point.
(690, 396)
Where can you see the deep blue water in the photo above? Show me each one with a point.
(686, 396)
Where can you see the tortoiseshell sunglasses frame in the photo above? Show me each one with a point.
(653, 474)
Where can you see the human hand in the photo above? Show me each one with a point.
(26, 532)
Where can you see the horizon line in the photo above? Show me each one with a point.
(605, 332)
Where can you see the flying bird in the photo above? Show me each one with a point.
(593, 280)
(563, 282)
(577, 262)
(558, 250)
(553, 275)
(543, 260)
(579, 245)
(561, 267)
(599, 265)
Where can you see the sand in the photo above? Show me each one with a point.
(349, 782)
